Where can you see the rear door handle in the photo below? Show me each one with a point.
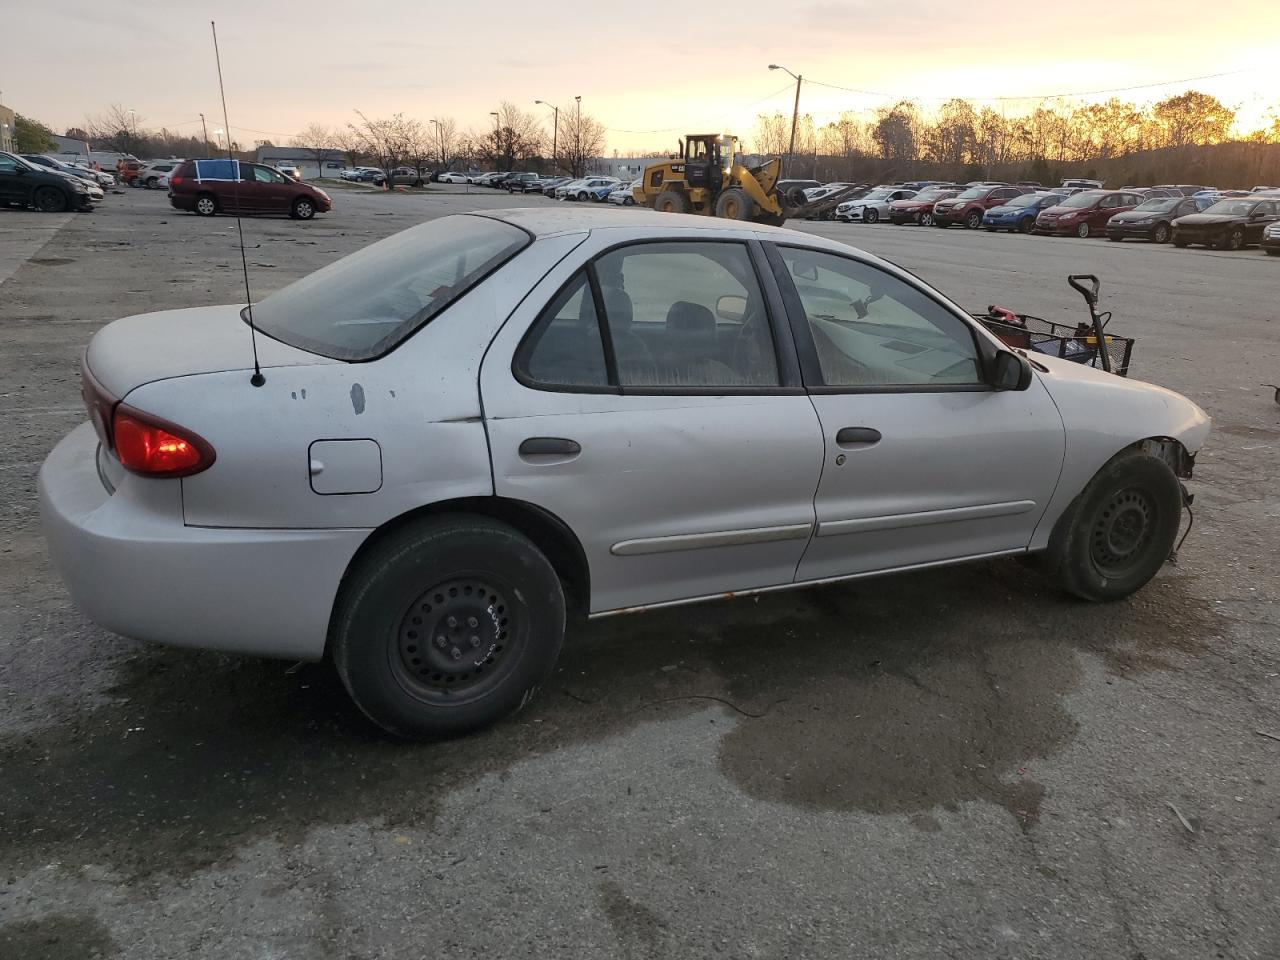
(857, 436)
(550, 447)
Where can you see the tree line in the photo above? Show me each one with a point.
(1186, 138)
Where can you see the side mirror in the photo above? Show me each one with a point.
(731, 307)
(1010, 371)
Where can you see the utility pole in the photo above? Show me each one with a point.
(795, 115)
(577, 141)
(497, 137)
(440, 135)
(205, 130)
(555, 129)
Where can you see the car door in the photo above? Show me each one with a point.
(268, 191)
(15, 181)
(1263, 215)
(641, 394)
(924, 461)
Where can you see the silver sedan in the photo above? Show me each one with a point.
(475, 428)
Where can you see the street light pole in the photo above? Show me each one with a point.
(440, 137)
(497, 136)
(577, 140)
(795, 115)
(555, 129)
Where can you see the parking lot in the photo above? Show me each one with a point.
(958, 763)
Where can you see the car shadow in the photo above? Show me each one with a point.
(895, 695)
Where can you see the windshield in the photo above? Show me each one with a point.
(1080, 201)
(974, 193)
(1158, 205)
(1026, 200)
(1232, 208)
(934, 193)
(877, 194)
(363, 305)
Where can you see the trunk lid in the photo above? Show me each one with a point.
(180, 343)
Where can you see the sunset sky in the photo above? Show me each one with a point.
(647, 79)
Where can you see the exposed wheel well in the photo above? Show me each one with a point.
(548, 532)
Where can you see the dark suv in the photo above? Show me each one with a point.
(971, 205)
(23, 183)
(208, 187)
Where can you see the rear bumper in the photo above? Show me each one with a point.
(135, 569)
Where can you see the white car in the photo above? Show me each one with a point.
(290, 171)
(578, 189)
(454, 177)
(440, 460)
(874, 206)
(826, 190)
(624, 194)
(151, 173)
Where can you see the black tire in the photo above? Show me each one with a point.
(671, 201)
(206, 205)
(1026, 225)
(870, 215)
(991, 229)
(937, 222)
(1115, 237)
(152, 182)
(1179, 243)
(1273, 253)
(438, 580)
(734, 204)
(303, 208)
(583, 196)
(973, 220)
(49, 200)
(1084, 231)
(1119, 531)
(1161, 233)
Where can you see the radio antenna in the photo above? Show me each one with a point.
(257, 379)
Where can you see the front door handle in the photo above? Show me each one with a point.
(857, 436)
(550, 447)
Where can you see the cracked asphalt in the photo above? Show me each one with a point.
(955, 764)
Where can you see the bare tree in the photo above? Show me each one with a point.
(448, 141)
(117, 130)
(317, 136)
(387, 141)
(579, 140)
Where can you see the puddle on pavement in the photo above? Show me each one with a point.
(57, 937)
(897, 695)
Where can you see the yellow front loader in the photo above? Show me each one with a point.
(708, 179)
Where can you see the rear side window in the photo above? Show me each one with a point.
(364, 305)
(564, 348)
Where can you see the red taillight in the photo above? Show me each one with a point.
(153, 447)
(174, 181)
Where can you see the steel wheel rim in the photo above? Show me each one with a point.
(1236, 240)
(304, 209)
(1162, 233)
(926, 219)
(1122, 530)
(974, 221)
(204, 205)
(457, 639)
(1082, 231)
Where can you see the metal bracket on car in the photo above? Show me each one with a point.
(1188, 498)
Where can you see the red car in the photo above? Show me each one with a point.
(1085, 214)
(968, 207)
(919, 209)
(209, 187)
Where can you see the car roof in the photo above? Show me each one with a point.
(544, 222)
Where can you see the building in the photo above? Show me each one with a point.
(624, 168)
(8, 121)
(306, 159)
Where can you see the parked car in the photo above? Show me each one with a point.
(1186, 189)
(1085, 214)
(919, 209)
(826, 190)
(492, 179)
(53, 163)
(104, 178)
(784, 187)
(624, 194)
(1271, 240)
(523, 183)
(580, 189)
(549, 186)
(27, 184)
(1019, 213)
(362, 175)
(209, 187)
(471, 469)
(1230, 224)
(874, 205)
(1150, 220)
(149, 176)
(453, 176)
(968, 207)
(1082, 184)
(600, 193)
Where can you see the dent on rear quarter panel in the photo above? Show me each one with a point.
(420, 404)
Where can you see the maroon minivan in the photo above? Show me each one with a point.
(209, 187)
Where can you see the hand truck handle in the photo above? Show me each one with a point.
(1090, 295)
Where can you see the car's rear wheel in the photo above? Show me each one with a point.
(1083, 231)
(973, 220)
(1027, 225)
(206, 205)
(49, 200)
(446, 626)
(152, 182)
(1233, 240)
(303, 209)
(1161, 233)
(1119, 531)
(870, 215)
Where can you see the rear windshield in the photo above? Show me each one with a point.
(364, 305)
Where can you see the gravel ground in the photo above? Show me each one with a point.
(953, 764)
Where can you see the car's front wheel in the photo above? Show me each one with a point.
(1119, 531)
(446, 626)
(1233, 240)
(50, 200)
(1161, 233)
(1083, 231)
(870, 215)
(974, 220)
(303, 209)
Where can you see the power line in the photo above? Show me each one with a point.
(770, 96)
